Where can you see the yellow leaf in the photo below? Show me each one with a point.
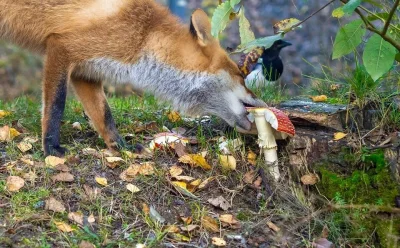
(24, 146)
(76, 217)
(210, 224)
(4, 113)
(195, 160)
(147, 169)
(132, 188)
(252, 158)
(101, 180)
(227, 162)
(205, 182)
(14, 183)
(113, 162)
(63, 227)
(174, 116)
(286, 25)
(175, 171)
(338, 13)
(53, 161)
(219, 242)
(321, 98)
(273, 226)
(145, 208)
(339, 136)
(14, 133)
(8, 134)
(229, 219)
(182, 185)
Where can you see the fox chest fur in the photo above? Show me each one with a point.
(125, 41)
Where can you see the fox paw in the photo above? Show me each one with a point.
(57, 151)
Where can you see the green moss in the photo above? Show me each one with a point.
(369, 186)
(25, 203)
(388, 232)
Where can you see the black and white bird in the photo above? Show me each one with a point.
(269, 67)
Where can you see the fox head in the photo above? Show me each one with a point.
(225, 93)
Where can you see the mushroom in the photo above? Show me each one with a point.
(272, 124)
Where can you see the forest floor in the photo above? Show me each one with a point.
(171, 198)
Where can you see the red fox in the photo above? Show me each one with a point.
(127, 41)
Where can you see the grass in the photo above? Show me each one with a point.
(121, 219)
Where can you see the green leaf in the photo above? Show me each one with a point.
(246, 34)
(348, 38)
(265, 42)
(379, 56)
(374, 3)
(350, 6)
(221, 18)
(338, 13)
(234, 3)
(378, 16)
(398, 57)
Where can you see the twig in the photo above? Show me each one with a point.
(313, 14)
(390, 17)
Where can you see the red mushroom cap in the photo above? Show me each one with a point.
(279, 121)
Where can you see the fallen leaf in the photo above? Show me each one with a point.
(162, 140)
(227, 162)
(273, 227)
(62, 167)
(322, 243)
(180, 149)
(180, 237)
(76, 217)
(206, 182)
(185, 178)
(146, 169)
(228, 147)
(175, 171)
(110, 153)
(192, 186)
(181, 187)
(14, 183)
(113, 162)
(91, 152)
(172, 229)
(77, 126)
(187, 219)
(220, 202)
(86, 244)
(63, 177)
(309, 179)
(4, 113)
(129, 174)
(54, 205)
(252, 158)
(219, 242)
(339, 136)
(24, 146)
(189, 228)
(132, 188)
(149, 127)
(63, 227)
(155, 216)
(195, 160)
(53, 161)
(174, 116)
(322, 98)
(8, 134)
(101, 180)
(250, 176)
(228, 219)
(210, 224)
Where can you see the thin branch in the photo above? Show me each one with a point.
(313, 14)
(371, 27)
(390, 17)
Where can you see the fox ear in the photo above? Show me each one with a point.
(200, 27)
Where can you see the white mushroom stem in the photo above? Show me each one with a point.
(267, 143)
